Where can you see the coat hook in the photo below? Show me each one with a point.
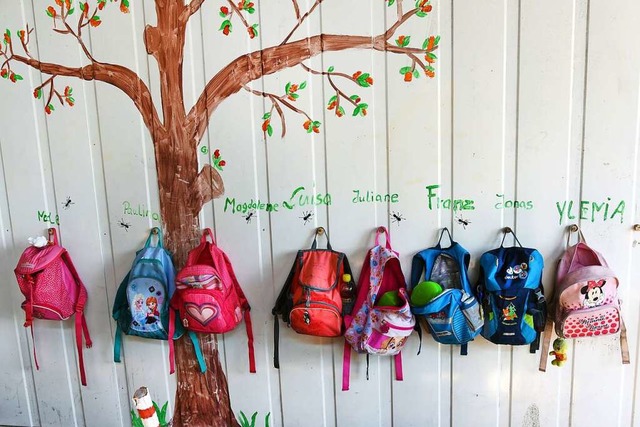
(381, 229)
(574, 228)
(154, 230)
(319, 231)
(507, 230)
(636, 227)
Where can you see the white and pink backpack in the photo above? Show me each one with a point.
(585, 301)
(53, 291)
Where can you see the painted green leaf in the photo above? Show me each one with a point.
(250, 10)
(71, 99)
(49, 13)
(416, 74)
(269, 130)
(303, 85)
(126, 4)
(266, 116)
(437, 40)
(225, 23)
(356, 111)
(51, 107)
(425, 43)
(71, 11)
(294, 95)
(390, 2)
(432, 55)
(17, 77)
(316, 124)
(406, 41)
(222, 15)
(330, 69)
(405, 70)
(266, 420)
(82, 6)
(333, 99)
(287, 87)
(354, 97)
(421, 14)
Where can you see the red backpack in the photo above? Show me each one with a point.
(53, 291)
(208, 296)
(310, 300)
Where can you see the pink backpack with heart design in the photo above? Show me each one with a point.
(208, 296)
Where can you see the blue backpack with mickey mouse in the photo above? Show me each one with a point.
(141, 306)
(512, 296)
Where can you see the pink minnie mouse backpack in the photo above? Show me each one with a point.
(53, 291)
(382, 319)
(585, 301)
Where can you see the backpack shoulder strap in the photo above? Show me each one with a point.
(418, 266)
(282, 308)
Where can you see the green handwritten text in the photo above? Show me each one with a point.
(435, 202)
(590, 211)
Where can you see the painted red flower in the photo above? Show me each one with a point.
(216, 154)
(408, 76)
(224, 10)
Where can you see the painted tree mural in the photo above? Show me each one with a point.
(203, 400)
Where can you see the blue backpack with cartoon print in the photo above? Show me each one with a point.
(453, 316)
(141, 306)
(512, 296)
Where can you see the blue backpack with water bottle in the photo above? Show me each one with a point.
(444, 298)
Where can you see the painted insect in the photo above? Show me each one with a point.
(124, 225)
(397, 217)
(463, 222)
(249, 216)
(67, 203)
(306, 216)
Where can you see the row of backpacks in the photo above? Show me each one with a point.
(153, 301)
(507, 305)
(320, 297)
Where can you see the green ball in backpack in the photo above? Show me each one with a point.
(390, 299)
(425, 292)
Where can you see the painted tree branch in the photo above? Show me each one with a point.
(194, 7)
(301, 19)
(115, 75)
(255, 65)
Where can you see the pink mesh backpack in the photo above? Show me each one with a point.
(585, 300)
(53, 291)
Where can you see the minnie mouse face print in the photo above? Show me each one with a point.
(593, 293)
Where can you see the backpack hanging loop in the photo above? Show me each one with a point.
(445, 230)
(506, 231)
(574, 228)
(319, 232)
(53, 236)
(383, 230)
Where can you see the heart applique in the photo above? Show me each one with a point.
(204, 313)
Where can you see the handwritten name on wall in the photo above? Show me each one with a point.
(48, 217)
(605, 210)
(139, 210)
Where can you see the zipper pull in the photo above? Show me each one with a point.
(306, 317)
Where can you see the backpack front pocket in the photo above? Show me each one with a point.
(449, 319)
(203, 311)
(316, 318)
(389, 330)
(591, 322)
(507, 321)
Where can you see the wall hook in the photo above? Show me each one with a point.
(319, 231)
(507, 230)
(636, 227)
(574, 228)
(381, 229)
(154, 230)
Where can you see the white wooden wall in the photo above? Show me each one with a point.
(534, 100)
